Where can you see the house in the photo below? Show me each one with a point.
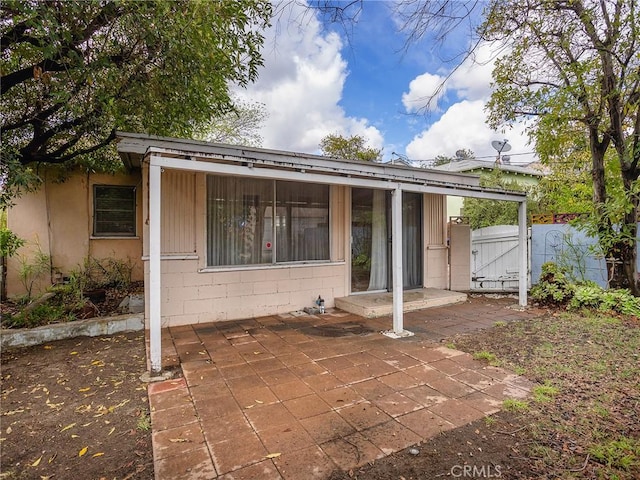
(229, 232)
(525, 175)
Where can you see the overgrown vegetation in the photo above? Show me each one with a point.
(68, 300)
(557, 290)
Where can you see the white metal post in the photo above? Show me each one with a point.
(155, 292)
(396, 263)
(524, 254)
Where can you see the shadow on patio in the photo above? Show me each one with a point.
(296, 397)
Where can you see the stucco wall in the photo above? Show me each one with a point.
(58, 218)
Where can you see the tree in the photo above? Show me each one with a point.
(75, 72)
(349, 148)
(574, 65)
(241, 126)
(486, 213)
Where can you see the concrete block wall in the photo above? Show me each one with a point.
(191, 296)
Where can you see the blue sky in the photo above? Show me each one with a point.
(320, 79)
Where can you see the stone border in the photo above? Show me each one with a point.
(92, 327)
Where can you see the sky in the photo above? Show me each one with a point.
(320, 78)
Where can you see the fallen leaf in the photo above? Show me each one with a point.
(83, 451)
(179, 440)
(273, 455)
(47, 347)
(52, 457)
(68, 427)
(99, 454)
(37, 462)
(85, 389)
(258, 401)
(9, 430)
(75, 436)
(73, 353)
(111, 431)
(13, 412)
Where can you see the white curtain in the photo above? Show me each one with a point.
(378, 276)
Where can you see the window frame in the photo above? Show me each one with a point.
(133, 211)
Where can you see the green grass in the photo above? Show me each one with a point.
(489, 357)
(500, 324)
(515, 405)
(622, 453)
(144, 421)
(544, 393)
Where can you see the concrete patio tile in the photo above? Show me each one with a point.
(351, 451)
(274, 377)
(353, 374)
(307, 369)
(237, 370)
(391, 437)
(372, 389)
(474, 379)
(167, 385)
(195, 464)
(450, 387)
(214, 407)
(363, 415)
(201, 373)
(255, 396)
(286, 438)
(307, 406)
(308, 464)
(281, 348)
(245, 382)
(182, 414)
(265, 470)
(425, 423)
(221, 429)
(457, 412)
(169, 399)
(399, 381)
(326, 426)
(269, 416)
(424, 395)
(341, 397)
(502, 391)
(322, 382)
(396, 404)
(265, 363)
(192, 352)
(466, 360)
(289, 390)
(293, 358)
(447, 366)
(204, 393)
(335, 363)
(384, 353)
(423, 373)
(177, 440)
(483, 402)
(237, 452)
(428, 354)
(402, 361)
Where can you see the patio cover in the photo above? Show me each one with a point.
(196, 156)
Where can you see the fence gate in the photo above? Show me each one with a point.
(494, 258)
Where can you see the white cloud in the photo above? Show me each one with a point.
(425, 91)
(462, 125)
(301, 86)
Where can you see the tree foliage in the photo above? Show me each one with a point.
(240, 126)
(574, 66)
(349, 148)
(486, 213)
(75, 72)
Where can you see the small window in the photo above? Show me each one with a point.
(114, 211)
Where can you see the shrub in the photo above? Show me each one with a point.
(554, 287)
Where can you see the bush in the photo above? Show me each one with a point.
(554, 289)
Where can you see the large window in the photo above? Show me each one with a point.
(114, 211)
(252, 221)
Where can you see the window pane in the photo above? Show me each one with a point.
(239, 221)
(114, 211)
(302, 222)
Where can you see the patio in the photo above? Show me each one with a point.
(297, 396)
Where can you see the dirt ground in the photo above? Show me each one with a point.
(79, 406)
(76, 409)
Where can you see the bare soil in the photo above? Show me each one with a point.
(76, 409)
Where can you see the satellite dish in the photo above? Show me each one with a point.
(501, 146)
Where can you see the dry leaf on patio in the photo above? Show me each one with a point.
(37, 462)
(71, 425)
(83, 451)
(273, 455)
(179, 440)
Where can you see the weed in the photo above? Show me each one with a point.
(451, 345)
(489, 357)
(515, 405)
(500, 323)
(622, 453)
(489, 421)
(32, 269)
(144, 421)
(43, 314)
(520, 370)
(544, 393)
